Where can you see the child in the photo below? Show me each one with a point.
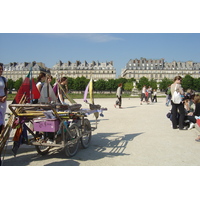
(154, 96)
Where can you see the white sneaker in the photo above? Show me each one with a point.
(191, 126)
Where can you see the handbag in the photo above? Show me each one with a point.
(117, 102)
(176, 97)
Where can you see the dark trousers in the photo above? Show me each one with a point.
(154, 99)
(175, 109)
(191, 119)
(143, 97)
(120, 101)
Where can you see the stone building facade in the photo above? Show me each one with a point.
(158, 69)
(104, 70)
(16, 70)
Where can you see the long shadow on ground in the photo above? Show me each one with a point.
(102, 145)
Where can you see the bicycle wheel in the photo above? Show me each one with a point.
(42, 150)
(71, 140)
(86, 134)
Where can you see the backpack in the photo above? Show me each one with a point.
(176, 97)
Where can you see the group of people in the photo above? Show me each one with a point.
(185, 106)
(148, 95)
(41, 79)
(61, 90)
(186, 110)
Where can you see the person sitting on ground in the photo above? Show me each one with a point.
(188, 100)
(191, 116)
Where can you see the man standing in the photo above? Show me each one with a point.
(119, 96)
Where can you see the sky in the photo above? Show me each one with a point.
(49, 48)
(105, 30)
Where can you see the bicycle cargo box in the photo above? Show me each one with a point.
(45, 125)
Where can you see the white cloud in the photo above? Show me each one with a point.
(99, 37)
(93, 37)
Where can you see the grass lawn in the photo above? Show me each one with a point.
(80, 96)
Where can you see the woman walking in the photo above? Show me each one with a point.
(119, 95)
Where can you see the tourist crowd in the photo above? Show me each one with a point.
(185, 106)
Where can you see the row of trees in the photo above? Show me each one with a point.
(80, 83)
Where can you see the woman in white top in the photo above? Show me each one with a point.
(3, 97)
(40, 79)
(176, 86)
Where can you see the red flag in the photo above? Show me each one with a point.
(28, 88)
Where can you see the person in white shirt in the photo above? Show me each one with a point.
(119, 96)
(143, 95)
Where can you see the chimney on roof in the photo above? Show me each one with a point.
(25, 64)
(33, 63)
(60, 63)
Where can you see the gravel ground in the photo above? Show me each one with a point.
(136, 135)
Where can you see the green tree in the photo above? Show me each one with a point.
(100, 85)
(70, 83)
(142, 81)
(187, 82)
(165, 83)
(110, 85)
(128, 86)
(18, 83)
(153, 83)
(121, 80)
(196, 84)
(10, 85)
(53, 81)
(131, 80)
(80, 83)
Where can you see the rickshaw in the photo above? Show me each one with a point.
(51, 125)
